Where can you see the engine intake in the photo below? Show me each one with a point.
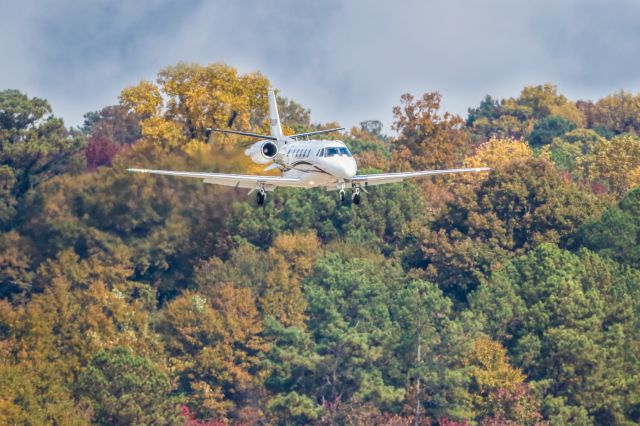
(262, 152)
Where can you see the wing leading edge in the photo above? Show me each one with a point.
(238, 181)
(382, 178)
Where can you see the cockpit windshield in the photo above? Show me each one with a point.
(345, 151)
(333, 151)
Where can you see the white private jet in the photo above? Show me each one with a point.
(304, 163)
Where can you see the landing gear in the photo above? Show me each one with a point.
(341, 189)
(355, 196)
(261, 197)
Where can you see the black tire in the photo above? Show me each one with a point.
(342, 197)
(260, 198)
(356, 199)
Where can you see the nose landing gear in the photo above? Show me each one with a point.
(341, 189)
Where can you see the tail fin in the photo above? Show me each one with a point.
(274, 117)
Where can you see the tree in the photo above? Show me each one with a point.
(516, 117)
(570, 152)
(125, 389)
(373, 127)
(292, 257)
(566, 320)
(109, 130)
(544, 100)
(114, 123)
(488, 110)
(500, 394)
(214, 343)
(34, 147)
(384, 223)
(294, 115)
(615, 234)
(427, 139)
(100, 151)
(293, 409)
(614, 162)
(516, 208)
(350, 322)
(497, 153)
(47, 339)
(616, 114)
(430, 348)
(34, 394)
(548, 128)
(15, 264)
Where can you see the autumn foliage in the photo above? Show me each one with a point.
(504, 298)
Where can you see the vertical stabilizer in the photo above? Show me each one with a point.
(274, 117)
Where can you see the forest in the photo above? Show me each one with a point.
(504, 298)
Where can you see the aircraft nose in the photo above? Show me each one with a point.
(348, 169)
(351, 168)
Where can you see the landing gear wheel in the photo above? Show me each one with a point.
(342, 197)
(356, 199)
(261, 197)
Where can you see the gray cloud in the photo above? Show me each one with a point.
(347, 61)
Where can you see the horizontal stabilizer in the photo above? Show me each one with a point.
(253, 135)
(317, 132)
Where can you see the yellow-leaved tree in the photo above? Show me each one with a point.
(499, 392)
(293, 257)
(499, 152)
(185, 101)
(615, 162)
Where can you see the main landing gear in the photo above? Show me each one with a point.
(355, 196)
(261, 197)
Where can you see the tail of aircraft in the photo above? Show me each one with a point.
(274, 124)
(274, 117)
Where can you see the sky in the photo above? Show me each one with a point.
(347, 61)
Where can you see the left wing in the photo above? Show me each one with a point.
(379, 179)
(238, 181)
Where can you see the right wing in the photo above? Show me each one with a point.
(381, 178)
(238, 181)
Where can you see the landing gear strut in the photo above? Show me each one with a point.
(261, 197)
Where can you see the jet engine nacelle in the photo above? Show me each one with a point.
(262, 152)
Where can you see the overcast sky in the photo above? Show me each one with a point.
(347, 61)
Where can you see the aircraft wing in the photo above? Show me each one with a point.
(238, 181)
(379, 179)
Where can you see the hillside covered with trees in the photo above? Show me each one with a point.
(507, 298)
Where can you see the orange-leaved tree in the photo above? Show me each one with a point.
(428, 138)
